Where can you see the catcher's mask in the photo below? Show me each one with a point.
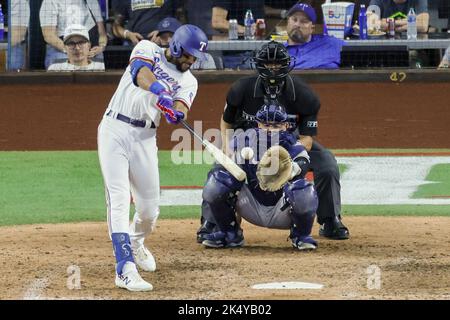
(272, 115)
(273, 64)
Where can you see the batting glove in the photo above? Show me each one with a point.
(165, 99)
(165, 103)
(173, 116)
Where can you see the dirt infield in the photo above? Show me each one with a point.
(412, 254)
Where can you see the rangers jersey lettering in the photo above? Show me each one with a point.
(138, 103)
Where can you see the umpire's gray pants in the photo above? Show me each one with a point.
(270, 217)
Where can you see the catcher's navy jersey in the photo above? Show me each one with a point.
(260, 141)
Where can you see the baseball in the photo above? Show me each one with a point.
(247, 153)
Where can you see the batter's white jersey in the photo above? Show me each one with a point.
(127, 148)
(137, 103)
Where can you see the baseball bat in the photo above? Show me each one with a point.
(220, 157)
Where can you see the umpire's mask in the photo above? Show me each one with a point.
(273, 64)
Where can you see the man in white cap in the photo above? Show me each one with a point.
(77, 46)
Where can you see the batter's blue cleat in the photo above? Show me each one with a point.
(304, 243)
(220, 239)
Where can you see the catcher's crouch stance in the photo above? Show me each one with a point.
(275, 195)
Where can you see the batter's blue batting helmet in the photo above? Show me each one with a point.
(191, 39)
(271, 113)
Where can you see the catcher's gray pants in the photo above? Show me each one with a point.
(270, 217)
(326, 181)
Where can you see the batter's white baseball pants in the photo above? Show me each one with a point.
(129, 164)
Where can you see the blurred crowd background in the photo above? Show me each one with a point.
(41, 33)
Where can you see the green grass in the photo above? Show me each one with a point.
(396, 210)
(50, 186)
(66, 186)
(183, 174)
(440, 174)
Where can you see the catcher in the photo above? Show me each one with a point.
(275, 195)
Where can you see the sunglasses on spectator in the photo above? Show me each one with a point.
(73, 44)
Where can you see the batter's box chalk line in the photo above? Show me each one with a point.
(288, 285)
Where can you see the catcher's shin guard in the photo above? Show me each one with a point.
(206, 228)
(220, 195)
(302, 198)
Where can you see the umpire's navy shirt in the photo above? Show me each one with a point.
(246, 97)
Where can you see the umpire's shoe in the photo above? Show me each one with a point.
(205, 229)
(220, 239)
(131, 280)
(334, 229)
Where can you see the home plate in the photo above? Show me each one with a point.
(288, 285)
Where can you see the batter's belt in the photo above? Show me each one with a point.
(133, 122)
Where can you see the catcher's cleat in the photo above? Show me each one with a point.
(220, 239)
(144, 259)
(131, 280)
(205, 229)
(304, 243)
(334, 229)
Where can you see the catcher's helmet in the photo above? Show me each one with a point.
(271, 113)
(274, 53)
(191, 39)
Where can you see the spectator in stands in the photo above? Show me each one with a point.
(199, 13)
(279, 9)
(140, 17)
(165, 30)
(20, 18)
(445, 59)
(56, 16)
(222, 12)
(311, 51)
(391, 7)
(77, 45)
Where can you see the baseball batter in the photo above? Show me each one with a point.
(157, 81)
(289, 206)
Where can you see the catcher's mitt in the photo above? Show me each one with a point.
(274, 169)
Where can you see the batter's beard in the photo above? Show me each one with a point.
(180, 69)
(177, 64)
